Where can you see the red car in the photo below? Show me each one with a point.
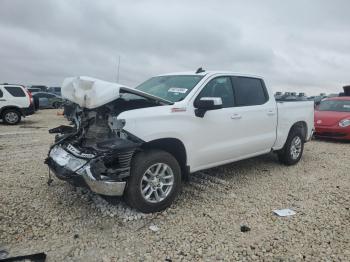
(332, 118)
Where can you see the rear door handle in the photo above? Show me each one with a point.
(2, 99)
(236, 116)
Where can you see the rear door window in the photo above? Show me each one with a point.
(249, 91)
(15, 91)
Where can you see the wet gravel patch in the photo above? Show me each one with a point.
(205, 222)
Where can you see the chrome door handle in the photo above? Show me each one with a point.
(236, 116)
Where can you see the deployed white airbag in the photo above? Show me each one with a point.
(90, 92)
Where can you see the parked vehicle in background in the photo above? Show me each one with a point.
(15, 102)
(33, 90)
(346, 91)
(290, 96)
(278, 95)
(47, 100)
(332, 118)
(141, 142)
(317, 99)
(55, 90)
(42, 88)
(302, 96)
(332, 95)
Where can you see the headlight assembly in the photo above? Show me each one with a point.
(75, 163)
(64, 159)
(344, 123)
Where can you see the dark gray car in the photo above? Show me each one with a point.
(47, 100)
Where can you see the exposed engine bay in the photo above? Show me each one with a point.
(95, 148)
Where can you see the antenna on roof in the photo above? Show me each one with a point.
(200, 70)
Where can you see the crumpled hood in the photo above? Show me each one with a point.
(90, 92)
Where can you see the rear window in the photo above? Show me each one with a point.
(15, 91)
(249, 91)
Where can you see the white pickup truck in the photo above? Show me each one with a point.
(142, 142)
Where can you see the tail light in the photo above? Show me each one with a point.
(31, 100)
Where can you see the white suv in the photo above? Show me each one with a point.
(15, 102)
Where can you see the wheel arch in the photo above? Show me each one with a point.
(302, 125)
(173, 146)
(3, 109)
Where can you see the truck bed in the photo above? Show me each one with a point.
(289, 113)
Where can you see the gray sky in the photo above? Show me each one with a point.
(295, 45)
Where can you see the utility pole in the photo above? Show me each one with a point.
(118, 69)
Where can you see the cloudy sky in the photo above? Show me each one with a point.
(295, 45)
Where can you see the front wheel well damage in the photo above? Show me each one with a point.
(174, 147)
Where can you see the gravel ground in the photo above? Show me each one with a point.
(71, 224)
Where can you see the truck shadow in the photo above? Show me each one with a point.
(221, 180)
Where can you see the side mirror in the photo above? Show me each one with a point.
(205, 104)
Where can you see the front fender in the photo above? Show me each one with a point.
(156, 123)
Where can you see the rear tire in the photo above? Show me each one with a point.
(11, 116)
(154, 182)
(293, 149)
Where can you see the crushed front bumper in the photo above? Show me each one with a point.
(78, 171)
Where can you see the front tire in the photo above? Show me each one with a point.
(11, 117)
(154, 182)
(293, 149)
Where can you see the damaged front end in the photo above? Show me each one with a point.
(94, 152)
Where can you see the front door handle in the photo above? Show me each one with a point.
(271, 113)
(2, 99)
(236, 116)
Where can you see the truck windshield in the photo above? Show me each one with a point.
(173, 88)
(335, 105)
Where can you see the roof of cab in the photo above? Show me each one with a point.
(210, 73)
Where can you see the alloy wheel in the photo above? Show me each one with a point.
(295, 148)
(157, 182)
(11, 117)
